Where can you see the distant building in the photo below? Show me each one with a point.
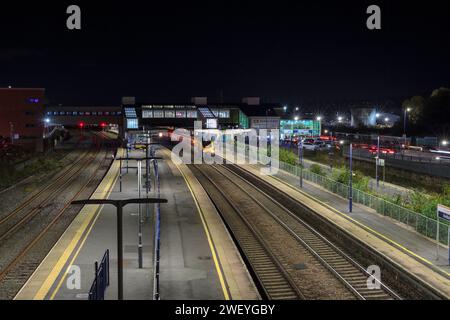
(363, 117)
(247, 114)
(22, 116)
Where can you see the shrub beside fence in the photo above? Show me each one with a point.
(421, 223)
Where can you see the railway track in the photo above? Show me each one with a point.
(276, 283)
(263, 213)
(22, 223)
(17, 217)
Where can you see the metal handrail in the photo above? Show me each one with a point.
(101, 280)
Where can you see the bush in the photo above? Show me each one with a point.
(288, 157)
(317, 169)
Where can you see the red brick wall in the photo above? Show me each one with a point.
(26, 116)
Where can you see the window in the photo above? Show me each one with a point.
(180, 114)
(100, 113)
(158, 114)
(132, 123)
(74, 113)
(211, 123)
(62, 113)
(129, 112)
(33, 100)
(215, 112)
(147, 113)
(192, 113)
(94, 113)
(88, 113)
(81, 113)
(169, 114)
(224, 113)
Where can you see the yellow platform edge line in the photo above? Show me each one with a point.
(51, 278)
(346, 216)
(208, 236)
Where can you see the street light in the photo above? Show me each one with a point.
(47, 120)
(319, 118)
(404, 123)
(119, 204)
(350, 180)
(285, 108)
(340, 119)
(444, 142)
(296, 118)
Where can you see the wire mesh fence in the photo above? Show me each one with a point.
(419, 222)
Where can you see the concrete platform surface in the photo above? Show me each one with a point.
(198, 257)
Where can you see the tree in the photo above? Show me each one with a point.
(417, 108)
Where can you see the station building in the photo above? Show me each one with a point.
(22, 116)
(249, 113)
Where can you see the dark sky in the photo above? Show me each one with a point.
(288, 52)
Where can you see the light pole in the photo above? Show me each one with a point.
(376, 161)
(350, 181)
(300, 160)
(119, 204)
(139, 168)
(404, 124)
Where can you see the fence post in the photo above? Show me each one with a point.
(96, 282)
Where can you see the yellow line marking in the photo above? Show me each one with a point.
(346, 216)
(48, 283)
(208, 236)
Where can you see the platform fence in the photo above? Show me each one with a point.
(101, 280)
(419, 222)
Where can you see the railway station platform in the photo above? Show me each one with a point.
(199, 260)
(403, 246)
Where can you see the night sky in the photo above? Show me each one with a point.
(288, 52)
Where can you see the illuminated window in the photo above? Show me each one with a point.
(147, 114)
(224, 113)
(169, 114)
(180, 114)
(211, 123)
(129, 113)
(192, 114)
(132, 123)
(215, 112)
(158, 114)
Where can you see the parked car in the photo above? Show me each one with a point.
(313, 145)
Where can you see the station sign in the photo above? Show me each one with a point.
(443, 212)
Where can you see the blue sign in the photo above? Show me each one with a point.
(443, 215)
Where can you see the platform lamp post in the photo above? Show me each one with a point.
(119, 204)
(350, 180)
(300, 160)
(405, 115)
(377, 162)
(139, 162)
